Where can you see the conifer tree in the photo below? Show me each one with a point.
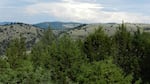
(16, 52)
(128, 55)
(66, 59)
(40, 52)
(97, 46)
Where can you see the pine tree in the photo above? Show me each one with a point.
(129, 53)
(97, 46)
(40, 52)
(66, 59)
(16, 52)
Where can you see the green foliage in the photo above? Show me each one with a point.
(123, 40)
(25, 75)
(48, 37)
(145, 38)
(102, 72)
(16, 52)
(17, 67)
(66, 59)
(128, 54)
(99, 59)
(40, 52)
(97, 46)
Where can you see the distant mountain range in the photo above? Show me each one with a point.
(52, 25)
(57, 25)
(5, 23)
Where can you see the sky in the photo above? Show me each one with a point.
(84, 11)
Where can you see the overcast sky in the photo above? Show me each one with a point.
(89, 11)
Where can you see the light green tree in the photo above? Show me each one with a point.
(103, 72)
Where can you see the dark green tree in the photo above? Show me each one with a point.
(145, 67)
(16, 52)
(40, 52)
(66, 58)
(97, 46)
(129, 51)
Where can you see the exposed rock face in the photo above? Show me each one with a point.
(8, 32)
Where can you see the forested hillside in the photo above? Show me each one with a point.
(122, 58)
(12, 31)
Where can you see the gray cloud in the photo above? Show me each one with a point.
(84, 11)
(75, 10)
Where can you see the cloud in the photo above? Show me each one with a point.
(65, 10)
(71, 10)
